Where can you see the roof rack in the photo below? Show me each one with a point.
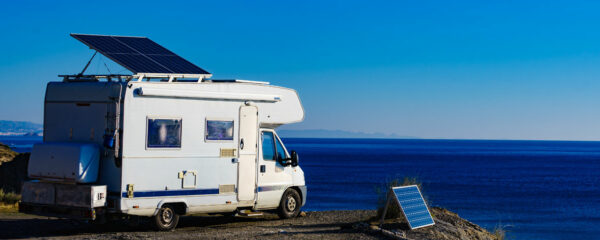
(162, 77)
(95, 78)
(172, 77)
(237, 81)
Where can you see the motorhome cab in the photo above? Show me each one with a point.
(163, 142)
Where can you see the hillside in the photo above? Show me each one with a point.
(20, 128)
(6, 154)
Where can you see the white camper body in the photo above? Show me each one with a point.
(200, 147)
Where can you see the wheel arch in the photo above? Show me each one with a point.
(299, 191)
(180, 206)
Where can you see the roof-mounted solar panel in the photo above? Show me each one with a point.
(140, 55)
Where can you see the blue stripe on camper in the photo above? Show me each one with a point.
(173, 193)
(270, 188)
(194, 192)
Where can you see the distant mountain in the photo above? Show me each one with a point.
(321, 133)
(20, 128)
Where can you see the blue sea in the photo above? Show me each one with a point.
(533, 189)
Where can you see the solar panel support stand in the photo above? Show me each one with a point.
(87, 65)
(387, 202)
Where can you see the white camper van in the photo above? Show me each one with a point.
(162, 144)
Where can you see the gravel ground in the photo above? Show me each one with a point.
(356, 224)
(315, 225)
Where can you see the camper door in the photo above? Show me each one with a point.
(247, 150)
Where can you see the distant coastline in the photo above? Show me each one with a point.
(21, 134)
(29, 129)
(20, 128)
(323, 133)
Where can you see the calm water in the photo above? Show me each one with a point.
(534, 189)
(20, 144)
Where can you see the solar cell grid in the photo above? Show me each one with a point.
(144, 45)
(413, 205)
(139, 54)
(138, 62)
(105, 44)
(177, 65)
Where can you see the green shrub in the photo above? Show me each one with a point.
(9, 198)
(382, 191)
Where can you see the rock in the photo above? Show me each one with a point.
(13, 172)
(448, 226)
(302, 214)
(6, 154)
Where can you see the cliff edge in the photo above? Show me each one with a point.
(13, 169)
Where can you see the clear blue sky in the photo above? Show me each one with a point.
(509, 70)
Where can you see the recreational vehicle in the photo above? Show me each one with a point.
(162, 142)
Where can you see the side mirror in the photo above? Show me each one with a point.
(294, 158)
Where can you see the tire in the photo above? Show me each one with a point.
(166, 219)
(289, 206)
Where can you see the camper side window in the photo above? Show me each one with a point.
(268, 149)
(164, 133)
(219, 130)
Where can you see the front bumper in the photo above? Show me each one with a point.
(60, 211)
(303, 193)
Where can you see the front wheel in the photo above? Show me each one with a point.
(166, 219)
(289, 206)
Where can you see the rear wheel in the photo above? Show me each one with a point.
(289, 206)
(166, 219)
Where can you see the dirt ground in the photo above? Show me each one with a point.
(315, 225)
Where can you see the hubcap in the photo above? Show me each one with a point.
(291, 204)
(167, 215)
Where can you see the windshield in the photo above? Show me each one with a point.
(280, 150)
(268, 150)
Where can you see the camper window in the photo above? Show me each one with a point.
(219, 130)
(268, 149)
(164, 133)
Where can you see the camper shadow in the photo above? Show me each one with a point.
(51, 227)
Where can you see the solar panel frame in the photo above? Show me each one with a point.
(140, 54)
(413, 206)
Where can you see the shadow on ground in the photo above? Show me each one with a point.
(51, 227)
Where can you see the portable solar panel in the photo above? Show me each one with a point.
(413, 206)
(139, 54)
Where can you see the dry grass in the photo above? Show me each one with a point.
(9, 208)
(9, 202)
(499, 232)
(393, 210)
(9, 198)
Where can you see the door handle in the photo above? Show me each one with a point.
(235, 160)
(263, 168)
(242, 143)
